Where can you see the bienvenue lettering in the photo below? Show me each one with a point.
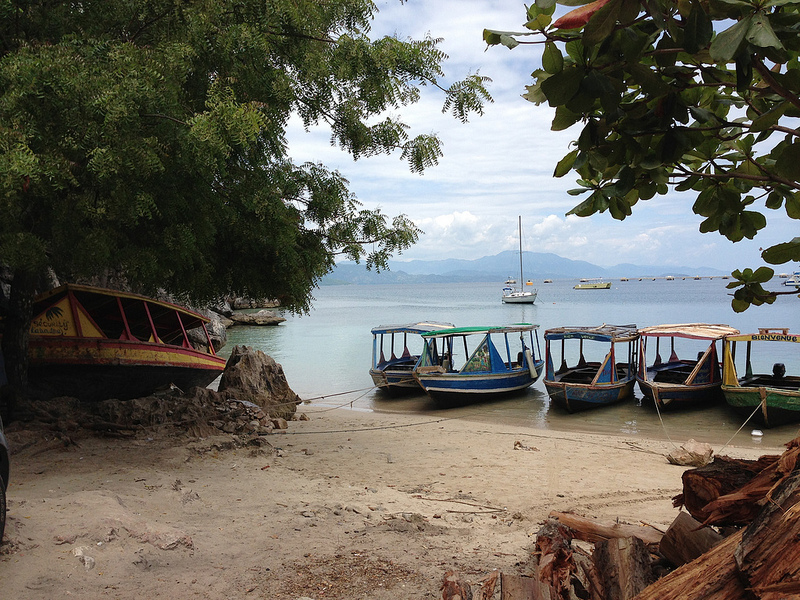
(776, 337)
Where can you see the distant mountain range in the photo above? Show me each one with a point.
(538, 265)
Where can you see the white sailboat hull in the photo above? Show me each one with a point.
(519, 298)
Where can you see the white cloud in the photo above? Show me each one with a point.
(500, 165)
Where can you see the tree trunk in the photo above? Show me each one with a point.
(625, 566)
(686, 539)
(769, 555)
(15, 341)
(723, 476)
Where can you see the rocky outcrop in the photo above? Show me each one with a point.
(243, 303)
(253, 376)
(217, 331)
(262, 317)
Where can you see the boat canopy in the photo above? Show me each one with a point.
(421, 327)
(603, 333)
(698, 331)
(516, 327)
(83, 311)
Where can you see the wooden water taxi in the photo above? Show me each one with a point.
(590, 383)
(593, 284)
(392, 361)
(770, 398)
(473, 363)
(94, 343)
(679, 382)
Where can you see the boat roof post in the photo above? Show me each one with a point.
(208, 337)
(128, 334)
(152, 324)
(186, 343)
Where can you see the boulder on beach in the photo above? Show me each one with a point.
(253, 376)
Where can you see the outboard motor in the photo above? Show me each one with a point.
(778, 370)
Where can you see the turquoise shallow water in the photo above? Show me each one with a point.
(326, 355)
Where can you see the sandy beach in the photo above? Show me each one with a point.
(347, 504)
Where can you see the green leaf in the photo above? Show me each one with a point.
(534, 94)
(793, 205)
(787, 163)
(564, 118)
(601, 24)
(545, 4)
(698, 30)
(783, 253)
(769, 118)
(727, 43)
(561, 87)
(564, 166)
(761, 34)
(552, 59)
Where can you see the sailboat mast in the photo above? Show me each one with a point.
(520, 252)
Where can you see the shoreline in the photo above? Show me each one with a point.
(344, 505)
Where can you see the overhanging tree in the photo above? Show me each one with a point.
(147, 138)
(697, 96)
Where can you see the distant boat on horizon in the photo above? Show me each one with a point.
(518, 295)
(593, 284)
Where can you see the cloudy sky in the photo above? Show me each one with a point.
(499, 166)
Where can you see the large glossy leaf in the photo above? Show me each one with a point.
(770, 117)
(602, 23)
(562, 86)
(564, 118)
(787, 163)
(552, 59)
(783, 253)
(761, 34)
(564, 166)
(698, 30)
(727, 43)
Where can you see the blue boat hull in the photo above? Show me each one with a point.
(476, 386)
(575, 397)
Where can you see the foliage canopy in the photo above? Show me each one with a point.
(690, 95)
(148, 138)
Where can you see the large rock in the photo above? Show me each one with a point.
(253, 376)
(242, 303)
(217, 331)
(262, 317)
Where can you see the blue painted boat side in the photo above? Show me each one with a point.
(577, 397)
(483, 384)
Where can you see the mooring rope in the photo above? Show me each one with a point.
(752, 414)
(663, 426)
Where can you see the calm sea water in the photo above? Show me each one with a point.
(326, 355)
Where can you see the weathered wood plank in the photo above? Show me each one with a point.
(625, 566)
(592, 530)
(686, 539)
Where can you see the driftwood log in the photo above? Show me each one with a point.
(769, 555)
(723, 476)
(686, 539)
(712, 576)
(759, 561)
(592, 530)
(624, 566)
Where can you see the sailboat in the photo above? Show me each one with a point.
(518, 295)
